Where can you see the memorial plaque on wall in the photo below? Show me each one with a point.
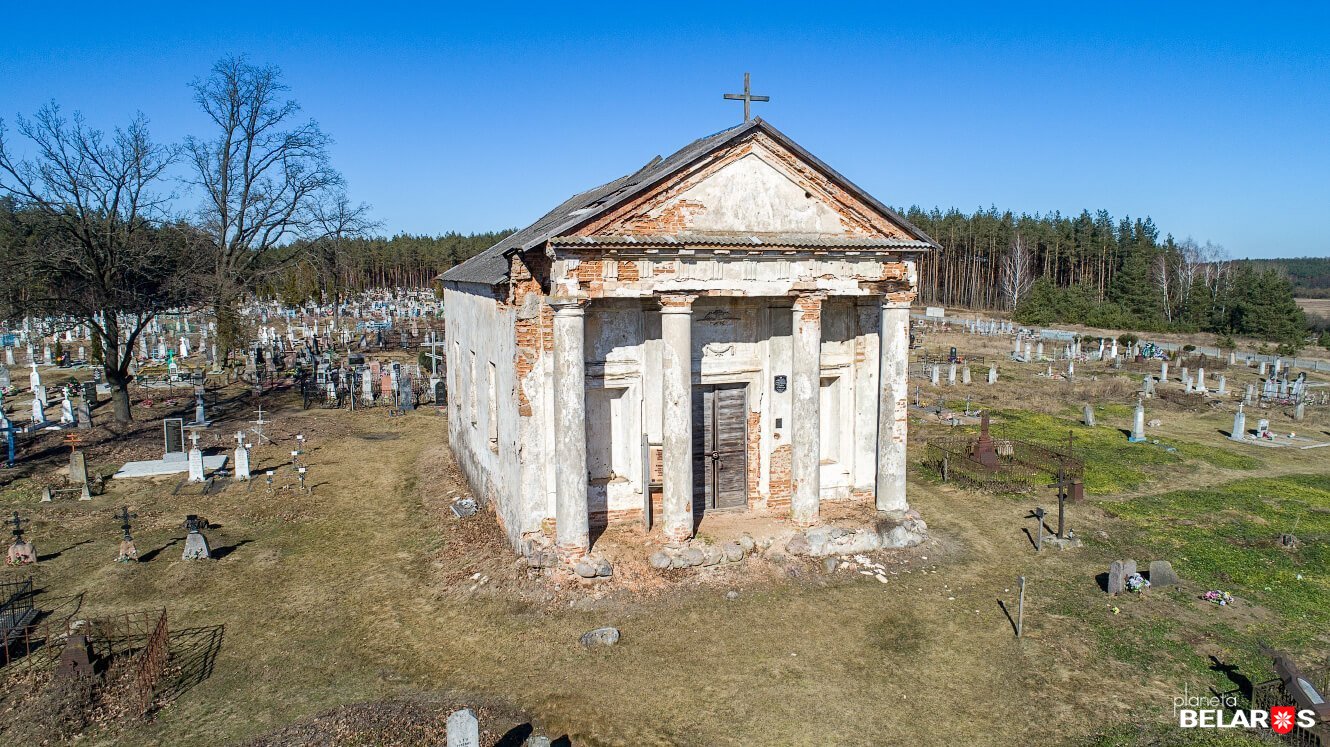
(782, 383)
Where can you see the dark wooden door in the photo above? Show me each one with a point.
(720, 454)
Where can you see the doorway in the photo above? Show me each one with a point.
(720, 447)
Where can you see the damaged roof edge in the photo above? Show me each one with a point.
(491, 266)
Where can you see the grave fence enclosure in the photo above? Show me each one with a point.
(933, 357)
(1266, 695)
(1021, 466)
(17, 618)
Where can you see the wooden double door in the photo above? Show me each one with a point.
(720, 441)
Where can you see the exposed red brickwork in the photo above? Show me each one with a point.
(781, 486)
(601, 519)
(526, 273)
(677, 300)
(754, 448)
(648, 214)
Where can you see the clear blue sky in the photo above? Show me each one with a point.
(1213, 119)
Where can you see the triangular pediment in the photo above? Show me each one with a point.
(753, 187)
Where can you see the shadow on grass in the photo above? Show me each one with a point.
(1241, 681)
(1010, 619)
(193, 655)
(62, 551)
(222, 552)
(148, 556)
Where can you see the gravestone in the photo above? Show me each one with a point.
(1116, 577)
(951, 374)
(196, 545)
(1039, 350)
(66, 411)
(1162, 573)
(1088, 416)
(38, 411)
(173, 440)
(934, 374)
(965, 374)
(4, 377)
(1223, 385)
(1163, 371)
(1251, 392)
(992, 374)
(440, 393)
(1071, 369)
(1239, 431)
(84, 415)
(1200, 380)
(463, 729)
(196, 461)
(1149, 386)
(78, 467)
(1138, 423)
(242, 462)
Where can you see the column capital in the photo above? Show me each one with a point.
(677, 303)
(568, 305)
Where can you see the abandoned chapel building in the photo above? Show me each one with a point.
(723, 329)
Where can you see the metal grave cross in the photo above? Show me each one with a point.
(123, 516)
(747, 97)
(17, 523)
(1065, 485)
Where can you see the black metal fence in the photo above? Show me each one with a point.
(1272, 693)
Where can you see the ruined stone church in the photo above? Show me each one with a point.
(724, 329)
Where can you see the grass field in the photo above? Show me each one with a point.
(362, 592)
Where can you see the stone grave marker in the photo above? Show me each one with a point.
(173, 440)
(1116, 577)
(78, 466)
(1162, 573)
(463, 729)
(1088, 416)
(992, 374)
(196, 545)
(195, 460)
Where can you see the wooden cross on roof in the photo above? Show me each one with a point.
(747, 97)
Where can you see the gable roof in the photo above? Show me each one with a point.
(490, 267)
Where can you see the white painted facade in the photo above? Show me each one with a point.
(753, 268)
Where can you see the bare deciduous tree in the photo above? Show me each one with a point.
(264, 176)
(1017, 272)
(96, 249)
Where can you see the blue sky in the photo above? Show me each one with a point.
(1213, 119)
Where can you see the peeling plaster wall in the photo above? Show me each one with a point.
(475, 321)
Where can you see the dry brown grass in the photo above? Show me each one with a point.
(361, 592)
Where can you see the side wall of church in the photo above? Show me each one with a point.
(483, 421)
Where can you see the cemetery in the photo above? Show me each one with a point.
(724, 451)
(321, 519)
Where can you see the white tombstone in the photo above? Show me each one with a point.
(34, 378)
(1163, 371)
(992, 374)
(1113, 353)
(1239, 431)
(38, 411)
(1071, 369)
(951, 375)
(66, 411)
(242, 462)
(196, 460)
(1039, 350)
(1200, 379)
(463, 729)
(1260, 370)
(1223, 385)
(1138, 423)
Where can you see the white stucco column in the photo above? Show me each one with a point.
(892, 411)
(676, 356)
(805, 411)
(572, 523)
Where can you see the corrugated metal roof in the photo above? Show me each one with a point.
(490, 267)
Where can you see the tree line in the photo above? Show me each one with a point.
(1092, 269)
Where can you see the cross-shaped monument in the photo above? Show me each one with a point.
(747, 97)
(123, 516)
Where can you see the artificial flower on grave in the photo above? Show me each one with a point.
(1219, 597)
(1137, 583)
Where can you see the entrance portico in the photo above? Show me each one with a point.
(725, 329)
